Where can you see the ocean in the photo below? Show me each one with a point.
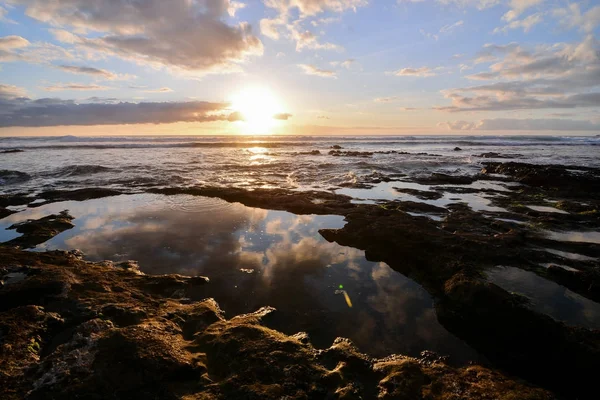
(296, 163)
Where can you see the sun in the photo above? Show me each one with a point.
(259, 108)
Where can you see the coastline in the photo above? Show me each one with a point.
(449, 258)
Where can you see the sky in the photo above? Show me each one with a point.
(307, 67)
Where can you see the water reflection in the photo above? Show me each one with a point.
(255, 258)
(548, 297)
(385, 191)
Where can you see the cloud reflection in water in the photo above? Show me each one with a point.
(255, 258)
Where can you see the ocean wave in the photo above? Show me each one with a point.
(9, 177)
(77, 170)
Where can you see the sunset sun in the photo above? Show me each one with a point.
(259, 108)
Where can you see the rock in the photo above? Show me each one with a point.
(40, 230)
(336, 147)
(10, 151)
(127, 342)
(457, 149)
(421, 194)
(337, 153)
(444, 179)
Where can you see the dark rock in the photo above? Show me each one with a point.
(445, 179)
(421, 194)
(338, 153)
(40, 230)
(457, 149)
(10, 151)
(122, 344)
(336, 147)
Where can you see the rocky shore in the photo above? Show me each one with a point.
(74, 329)
(62, 317)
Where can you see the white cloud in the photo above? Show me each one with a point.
(159, 90)
(11, 92)
(386, 99)
(446, 29)
(517, 7)
(292, 14)
(310, 69)
(420, 72)
(183, 35)
(559, 76)
(571, 17)
(526, 24)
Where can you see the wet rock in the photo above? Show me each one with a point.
(52, 196)
(492, 154)
(338, 153)
(10, 151)
(336, 147)
(457, 149)
(5, 212)
(444, 179)
(561, 179)
(14, 200)
(421, 194)
(40, 230)
(126, 342)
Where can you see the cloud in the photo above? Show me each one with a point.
(23, 112)
(13, 42)
(479, 4)
(74, 86)
(557, 76)
(11, 92)
(159, 90)
(517, 7)
(508, 124)
(420, 72)
(571, 17)
(386, 99)
(95, 72)
(282, 116)
(525, 24)
(3, 14)
(447, 29)
(308, 40)
(16, 48)
(292, 14)
(182, 35)
(312, 70)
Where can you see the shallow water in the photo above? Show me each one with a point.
(385, 191)
(256, 258)
(581, 237)
(548, 297)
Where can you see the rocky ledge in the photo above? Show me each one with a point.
(75, 329)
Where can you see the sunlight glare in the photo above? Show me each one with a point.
(258, 106)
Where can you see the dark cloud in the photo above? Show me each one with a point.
(94, 72)
(185, 35)
(73, 86)
(24, 112)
